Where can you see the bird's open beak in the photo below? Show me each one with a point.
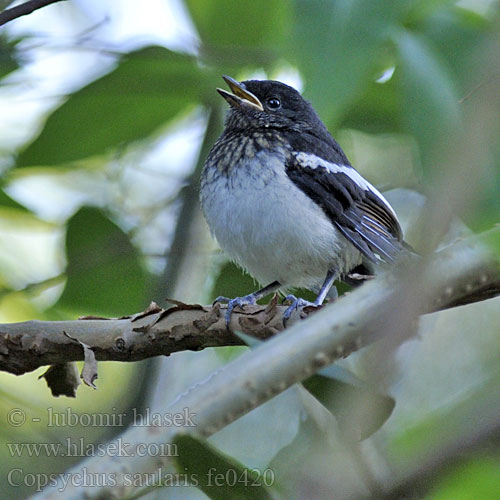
(240, 96)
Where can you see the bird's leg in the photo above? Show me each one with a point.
(298, 302)
(325, 288)
(250, 299)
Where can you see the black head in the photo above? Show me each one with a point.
(268, 103)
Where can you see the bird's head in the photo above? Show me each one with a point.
(268, 103)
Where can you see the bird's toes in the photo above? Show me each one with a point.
(240, 302)
(221, 300)
(247, 300)
(296, 303)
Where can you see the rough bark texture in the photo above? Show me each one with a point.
(28, 345)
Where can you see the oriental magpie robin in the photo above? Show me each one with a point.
(283, 201)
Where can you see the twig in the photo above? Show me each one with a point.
(23, 10)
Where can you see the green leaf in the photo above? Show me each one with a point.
(443, 429)
(104, 274)
(335, 45)
(429, 94)
(261, 23)
(7, 61)
(147, 89)
(491, 238)
(219, 476)
(421, 10)
(7, 201)
(290, 461)
(483, 214)
(377, 110)
(360, 409)
(317, 455)
(477, 479)
(233, 282)
(458, 34)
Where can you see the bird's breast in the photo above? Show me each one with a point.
(268, 225)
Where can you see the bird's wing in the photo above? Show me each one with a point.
(353, 205)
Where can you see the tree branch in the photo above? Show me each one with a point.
(23, 10)
(28, 345)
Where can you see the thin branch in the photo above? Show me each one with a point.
(23, 10)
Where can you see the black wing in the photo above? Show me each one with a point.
(358, 211)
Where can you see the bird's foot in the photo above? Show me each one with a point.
(296, 303)
(241, 302)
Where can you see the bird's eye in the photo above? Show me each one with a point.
(273, 103)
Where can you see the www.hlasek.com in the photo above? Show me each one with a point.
(80, 448)
(85, 479)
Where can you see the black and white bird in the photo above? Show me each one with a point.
(283, 201)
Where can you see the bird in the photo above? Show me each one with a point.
(283, 201)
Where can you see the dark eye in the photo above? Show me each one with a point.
(273, 103)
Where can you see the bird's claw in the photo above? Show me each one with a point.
(240, 302)
(221, 300)
(296, 303)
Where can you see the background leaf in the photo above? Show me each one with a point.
(104, 273)
(430, 96)
(7, 201)
(147, 89)
(476, 479)
(335, 45)
(7, 61)
(211, 468)
(233, 24)
(359, 409)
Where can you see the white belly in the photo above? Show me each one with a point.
(271, 228)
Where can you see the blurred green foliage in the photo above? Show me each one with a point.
(478, 478)
(8, 61)
(218, 476)
(235, 26)
(102, 264)
(147, 89)
(419, 77)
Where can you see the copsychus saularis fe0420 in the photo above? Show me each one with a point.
(283, 201)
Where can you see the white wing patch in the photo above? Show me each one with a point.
(313, 161)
